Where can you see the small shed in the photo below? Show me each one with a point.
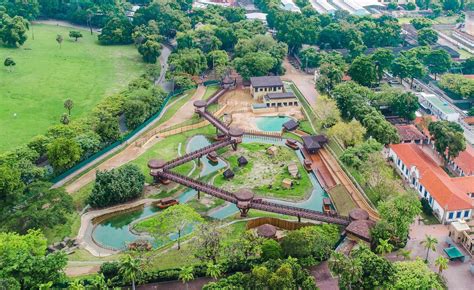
(228, 174)
(313, 143)
(287, 183)
(291, 125)
(293, 169)
(272, 150)
(242, 161)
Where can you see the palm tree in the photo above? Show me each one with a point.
(186, 275)
(384, 247)
(442, 264)
(130, 268)
(405, 254)
(76, 285)
(430, 244)
(213, 270)
(99, 282)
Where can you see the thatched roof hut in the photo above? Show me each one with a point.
(267, 231)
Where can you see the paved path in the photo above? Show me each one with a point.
(457, 275)
(131, 152)
(64, 24)
(304, 82)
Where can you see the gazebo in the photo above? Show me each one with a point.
(228, 174)
(242, 161)
(267, 231)
(313, 143)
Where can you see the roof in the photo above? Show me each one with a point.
(266, 231)
(465, 160)
(228, 173)
(471, 77)
(449, 192)
(421, 124)
(469, 120)
(314, 142)
(409, 132)
(268, 81)
(358, 214)
(242, 160)
(361, 228)
(290, 125)
(277, 96)
(441, 105)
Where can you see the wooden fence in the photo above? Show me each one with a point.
(279, 223)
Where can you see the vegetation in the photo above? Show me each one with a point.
(457, 85)
(117, 186)
(450, 140)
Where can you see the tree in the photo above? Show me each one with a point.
(421, 22)
(468, 66)
(175, 220)
(362, 71)
(377, 271)
(59, 39)
(430, 244)
(452, 5)
(404, 253)
(350, 134)
(247, 246)
(330, 76)
(13, 30)
(271, 250)
(190, 61)
(209, 242)
(408, 67)
(75, 34)
(449, 139)
(414, 275)
(438, 61)
(423, 4)
(131, 269)
(9, 63)
(254, 64)
(427, 36)
(384, 247)
(150, 51)
(383, 59)
(309, 57)
(405, 105)
(213, 270)
(442, 264)
(116, 186)
(411, 6)
(68, 105)
(348, 270)
(25, 263)
(186, 275)
(118, 30)
(63, 153)
(327, 110)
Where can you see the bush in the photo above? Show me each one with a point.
(117, 186)
(425, 206)
(110, 270)
(271, 249)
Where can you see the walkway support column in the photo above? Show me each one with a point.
(156, 167)
(244, 199)
(235, 135)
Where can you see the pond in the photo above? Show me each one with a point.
(271, 124)
(114, 233)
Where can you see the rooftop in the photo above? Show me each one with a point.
(439, 104)
(409, 132)
(268, 81)
(277, 96)
(465, 160)
(451, 193)
(314, 142)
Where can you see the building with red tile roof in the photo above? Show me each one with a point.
(450, 197)
(463, 164)
(410, 134)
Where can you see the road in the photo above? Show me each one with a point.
(304, 81)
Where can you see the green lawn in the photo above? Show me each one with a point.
(32, 95)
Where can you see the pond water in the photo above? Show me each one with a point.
(271, 124)
(115, 232)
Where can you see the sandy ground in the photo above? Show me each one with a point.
(132, 151)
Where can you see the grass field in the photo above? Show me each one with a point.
(32, 95)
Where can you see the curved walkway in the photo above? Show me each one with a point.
(132, 152)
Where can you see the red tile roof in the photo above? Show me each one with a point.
(419, 122)
(409, 133)
(450, 193)
(465, 160)
(469, 120)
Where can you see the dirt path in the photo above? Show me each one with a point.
(131, 152)
(304, 82)
(63, 24)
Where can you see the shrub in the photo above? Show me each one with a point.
(117, 186)
(271, 249)
(425, 206)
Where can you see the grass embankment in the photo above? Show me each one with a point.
(264, 173)
(45, 75)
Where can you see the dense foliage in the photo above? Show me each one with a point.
(13, 29)
(449, 138)
(117, 186)
(24, 263)
(457, 85)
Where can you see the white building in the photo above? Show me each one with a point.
(450, 198)
(438, 107)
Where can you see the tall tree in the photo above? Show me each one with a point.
(383, 59)
(438, 61)
(175, 220)
(75, 34)
(427, 36)
(13, 30)
(442, 264)
(150, 51)
(363, 71)
(63, 153)
(449, 138)
(430, 245)
(414, 275)
(68, 105)
(131, 269)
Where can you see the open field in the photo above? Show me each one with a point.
(32, 95)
